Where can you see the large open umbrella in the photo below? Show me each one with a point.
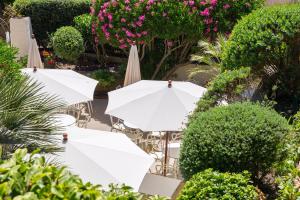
(68, 85)
(103, 157)
(133, 73)
(155, 105)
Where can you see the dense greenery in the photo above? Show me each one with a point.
(26, 116)
(8, 64)
(268, 41)
(237, 137)
(49, 15)
(68, 43)
(105, 77)
(211, 184)
(227, 86)
(23, 178)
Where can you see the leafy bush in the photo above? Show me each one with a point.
(83, 23)
(105, 77)
(234, 138)
(34, 179)
(8, 64)
(68, 43)
(227, 86)
(48, 15)
(211, 184)
(266, 36)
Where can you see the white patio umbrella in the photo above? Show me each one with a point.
(103, 157)
(155, 105)
(34, 58)
(133, 73)
(68, 85)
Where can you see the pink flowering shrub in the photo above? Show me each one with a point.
(126, 22)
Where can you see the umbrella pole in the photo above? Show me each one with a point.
(166, 154)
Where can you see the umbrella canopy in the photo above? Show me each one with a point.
(34, 58)
(103, 157)
(153, 105)
(133, 73)
(68, 85)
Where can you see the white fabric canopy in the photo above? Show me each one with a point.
(34, 57)
(133, 72)
(68, 85)
(20, 34)
(103, 157)
(153, 106)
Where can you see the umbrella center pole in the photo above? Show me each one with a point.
(166, 154)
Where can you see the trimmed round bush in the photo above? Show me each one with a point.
(68, 43)
(211, 184)
(233, 138)
(267, 36)
(48, 15)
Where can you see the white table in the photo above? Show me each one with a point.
(64, 120)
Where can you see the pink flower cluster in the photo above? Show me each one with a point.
(128, 31)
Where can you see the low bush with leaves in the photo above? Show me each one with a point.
(227, 86)
(8, 64)
(83, 23)
(32, 178)
(211, 184)
(105, 77)
(234, 138)
(68, 43)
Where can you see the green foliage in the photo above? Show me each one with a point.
(68, 43)
(8, 64)
(266, 36)
(26, 116)
(105, 77)
(227, 86)
(32, 178)
(234, 138)
(48, 15)
(211, 184)
(83, 23)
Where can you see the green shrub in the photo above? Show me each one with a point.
(266, 36)
(68, 43)
(211, 184)
(227, 86)
(105, 77)
(8, 64)
(48, 15)
(23, 178)
(234, 138)
(83, 23)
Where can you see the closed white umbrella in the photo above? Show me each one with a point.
(155, 105)
(68, 85)
(133, 73)
(34, 57)
(103, 157)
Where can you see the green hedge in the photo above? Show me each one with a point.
(83, 23)
(266, 36)
(234, 138)
(210, 184)
(48, 15)
(68, 43)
